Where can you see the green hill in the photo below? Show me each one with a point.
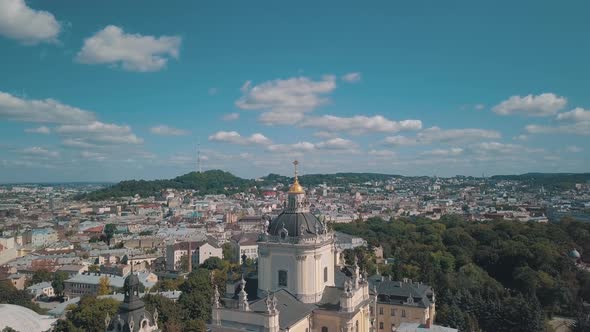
(548, 180)
(220, 182)
(208, 182)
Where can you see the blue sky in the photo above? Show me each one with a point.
(113, 90)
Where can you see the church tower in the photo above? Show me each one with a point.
(132, 316)
(297, 251)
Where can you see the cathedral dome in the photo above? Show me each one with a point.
(295, 224)
(296, 220)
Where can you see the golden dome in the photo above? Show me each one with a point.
(296, 188)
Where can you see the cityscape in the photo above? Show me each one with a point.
(328, 166)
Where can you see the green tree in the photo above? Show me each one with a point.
(58, 282)
(91, 312)
(41, 276)
(196, 295)
(9, 294)
(93, 268)
(229, 254)
(124, 260)
(169, 312)
(183, 263)
(214, 263)
(109, 232)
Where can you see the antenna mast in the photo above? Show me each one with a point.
(199, 158)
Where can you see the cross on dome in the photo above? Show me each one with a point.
(296, 188)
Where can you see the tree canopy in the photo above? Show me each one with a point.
(484, 273)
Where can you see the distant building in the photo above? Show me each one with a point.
(200, 252)
(87, 283)
(41, 289)
(400, 302)
(245, 244)
(40, 237)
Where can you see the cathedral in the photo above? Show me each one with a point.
(300, 288)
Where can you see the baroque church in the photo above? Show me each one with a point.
(300, 288)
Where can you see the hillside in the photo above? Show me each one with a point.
(548, 180)
(208, 182)
(220, 182)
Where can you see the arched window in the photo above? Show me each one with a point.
(282, 278)
(403, 313)
(324, 329)
(326, 274)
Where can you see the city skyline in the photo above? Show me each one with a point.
(116, 91)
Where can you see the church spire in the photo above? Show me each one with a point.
(296, 188)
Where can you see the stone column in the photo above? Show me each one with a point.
(301, 290)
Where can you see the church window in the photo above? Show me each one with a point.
(392, 312)
(380, 310)
(282, 278)
(325, 274)
(403, 313)
(381, 325)
(324, 329)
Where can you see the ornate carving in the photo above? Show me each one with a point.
(301, 257)
(317, 256)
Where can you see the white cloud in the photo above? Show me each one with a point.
(351, 77)
(93, 155)
(39, 130)
(99, 132)
(437, 135)
(324, 134)
(164, 130)
(44, 111)
(292, 148)
(235, 138)
(479, 107)
(40, 152)
(285, 101)
(133, 52)
(361, 124)
(574, 149)
(578, 114)
(78, 143)
(337, 144)
(444, 152)
(520, 138)
(382, 153)
(497, 147)
(578, 128)
(231, 116)
(545, 104)
(19, 21)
